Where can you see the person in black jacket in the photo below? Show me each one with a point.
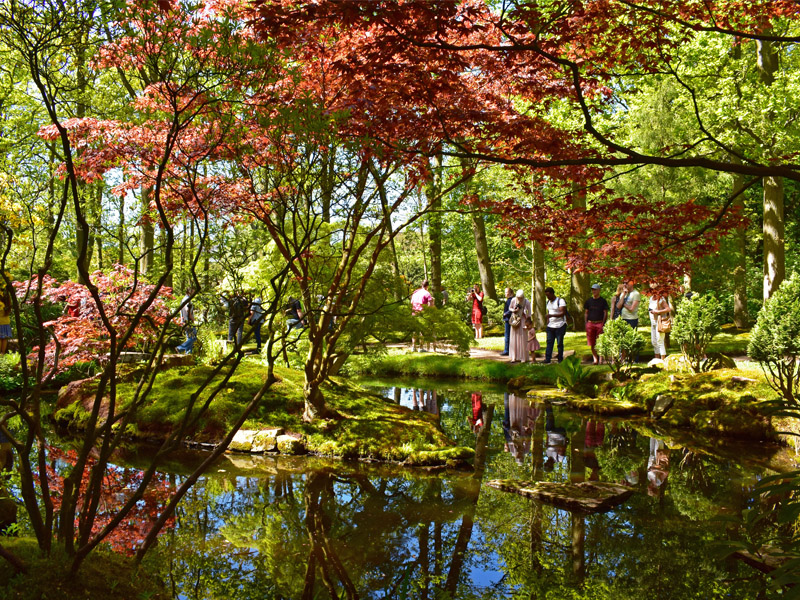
(506, 316)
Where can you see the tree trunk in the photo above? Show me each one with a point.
(82, 233)
(741, 318)
(121, 232)
(482, 252)
(537, 283)
(146, 235)
(579, 282)
(433, 192)
(380, 182)
(774, 246)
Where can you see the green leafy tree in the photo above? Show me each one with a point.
(775, 340)
(697, 320)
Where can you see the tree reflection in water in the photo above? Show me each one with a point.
(316, 529)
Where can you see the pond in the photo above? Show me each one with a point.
(288, 527)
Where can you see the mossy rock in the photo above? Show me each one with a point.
(605, 406)
(266, 440)
(288, 444)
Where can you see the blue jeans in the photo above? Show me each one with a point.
(191, 336)
(507, 336)
(555, 334)
(235, 329)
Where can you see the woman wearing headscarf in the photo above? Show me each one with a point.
(520, 309)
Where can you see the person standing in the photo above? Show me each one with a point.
(187, 322)
(445, 296)
(256, 320)
(419, 300)
(506, 316)
(237, 313)
(520, 309)
(477, 295)
(595, 315)
(659, 307)
(533, 342)
(5, 319)
(629, 304)
(556, 324)
(294, 314)
(615, 310)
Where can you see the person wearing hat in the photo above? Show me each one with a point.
(595, 314)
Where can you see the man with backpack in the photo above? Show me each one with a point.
(556, 324)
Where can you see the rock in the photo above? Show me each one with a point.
(662, 404)
(242, 441)
(133, 357)
(171, 361)
(657, 362)
(76, 391)
(584, 497)
(720, 361)
(288, 444)
(266, 440)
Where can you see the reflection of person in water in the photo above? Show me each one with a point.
(520, 419)
(595, 432)
(425, 400)
(556, 450)
(477, 419)
(657, 467)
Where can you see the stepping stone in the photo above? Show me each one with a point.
(584, 497)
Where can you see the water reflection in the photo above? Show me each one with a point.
(288, 529)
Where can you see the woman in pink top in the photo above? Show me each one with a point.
(419, 300)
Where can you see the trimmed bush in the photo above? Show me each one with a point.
(775, 340)
(697, 320)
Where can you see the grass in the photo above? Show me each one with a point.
(104, 574)
(367, 425)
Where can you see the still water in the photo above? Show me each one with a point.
(267, 527)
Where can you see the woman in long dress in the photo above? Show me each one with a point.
(518, 340)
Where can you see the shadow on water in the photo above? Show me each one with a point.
(283, 527)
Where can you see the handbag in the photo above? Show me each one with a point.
(664, 324)
(484, 310)
(515, 320)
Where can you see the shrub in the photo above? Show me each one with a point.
(209, 347)
(618, 344)
(437, 325)
(697, 320)
(775, 340)
(10, 375)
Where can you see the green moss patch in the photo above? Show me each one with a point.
(102, 575)
(450, 366)
(712, 403)
(367, 426)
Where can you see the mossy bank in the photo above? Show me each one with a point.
(104, 574)
(367, 426)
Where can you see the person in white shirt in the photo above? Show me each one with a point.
(629, 303)
(556, 324)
